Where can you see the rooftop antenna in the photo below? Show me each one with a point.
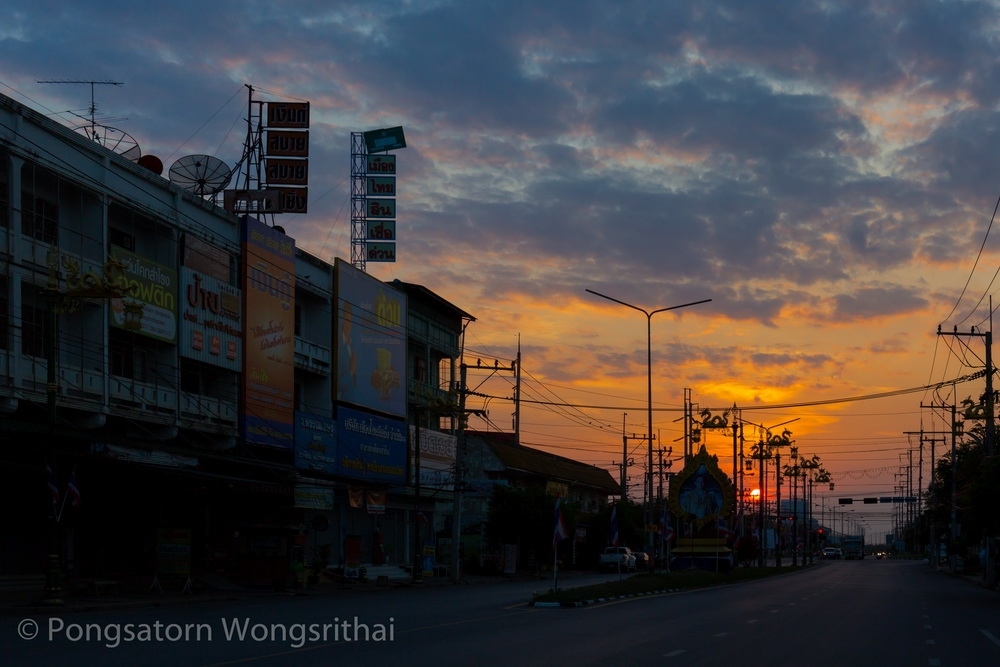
(93, 105)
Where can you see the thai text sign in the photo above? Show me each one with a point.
(382, 229)
(269, 313)
(381, 252)
(381, 208)
(211, 320)
(288, 114)
(371, 447)
(381, 164)
(384, 186)
(154, 285)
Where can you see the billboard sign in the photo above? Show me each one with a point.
(386, 139)
(381, 252)
(155, 286)
(437, 458)
(384, 186)
(371, 342)
(382, 229)
(211, 320)
(294, 115)
(381, 208)
(287, 143)
(315, 443)
(294, 200)
(381, 164)
(370, 447)
(269, 359)
(286, 171)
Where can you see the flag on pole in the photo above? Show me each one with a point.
(666, 529)
(722, 528)
(614, 526)
(53, 487)
(73, 491)
(559, 533)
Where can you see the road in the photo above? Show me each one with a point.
(839, 613)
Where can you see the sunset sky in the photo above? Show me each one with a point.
(824, 172)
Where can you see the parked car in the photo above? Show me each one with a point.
(614, 558)
(832, 553)
(642, 560)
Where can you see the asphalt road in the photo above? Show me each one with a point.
(839, 613)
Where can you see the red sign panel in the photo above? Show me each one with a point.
(287, 143)
(281, 171)
(288, 114)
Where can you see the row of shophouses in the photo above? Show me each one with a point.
(184, 392)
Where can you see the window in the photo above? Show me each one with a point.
(33, 318)
(39, 218)
(420, 369)
(132, 355)
(39, 203)
(4, 194)
(4, 306)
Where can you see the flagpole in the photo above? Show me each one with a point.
(62, 507)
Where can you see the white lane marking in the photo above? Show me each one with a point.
(722, 634)
(674, 654)
(752, 620)
(928, 641)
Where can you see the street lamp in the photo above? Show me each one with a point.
(80, 287)
(649, 380)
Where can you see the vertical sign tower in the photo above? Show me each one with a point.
(273, 174)
(373, 195)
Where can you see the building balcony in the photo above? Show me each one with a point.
(312, 357)
(198, 411)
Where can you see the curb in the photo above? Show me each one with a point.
(586, 603)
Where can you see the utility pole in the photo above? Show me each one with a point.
(456, 506)
(988, 399)
(933, 497)
(463, 415)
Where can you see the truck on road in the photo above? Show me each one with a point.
(617, 558)
(853, 546)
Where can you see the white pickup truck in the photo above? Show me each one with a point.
(614, 558)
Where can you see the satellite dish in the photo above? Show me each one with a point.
(113, 139)
(200, 174)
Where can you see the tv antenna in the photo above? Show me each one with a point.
(93, 134)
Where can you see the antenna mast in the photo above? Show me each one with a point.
(93, 105)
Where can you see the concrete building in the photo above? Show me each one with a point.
(180, 395)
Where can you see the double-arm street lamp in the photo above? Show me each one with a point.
(649, 383)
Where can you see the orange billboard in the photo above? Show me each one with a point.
(269, 344)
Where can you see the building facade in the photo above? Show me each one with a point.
(184, 393)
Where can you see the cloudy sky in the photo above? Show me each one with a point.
(824, 172)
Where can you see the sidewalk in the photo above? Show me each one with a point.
(30, 600)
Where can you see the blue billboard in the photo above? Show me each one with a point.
(371, 447)
(315, 443)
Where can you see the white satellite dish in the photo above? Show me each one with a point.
(113, 139)
(200, 174)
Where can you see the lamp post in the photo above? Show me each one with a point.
(793, 472)
(81, 286)
(648, 492)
